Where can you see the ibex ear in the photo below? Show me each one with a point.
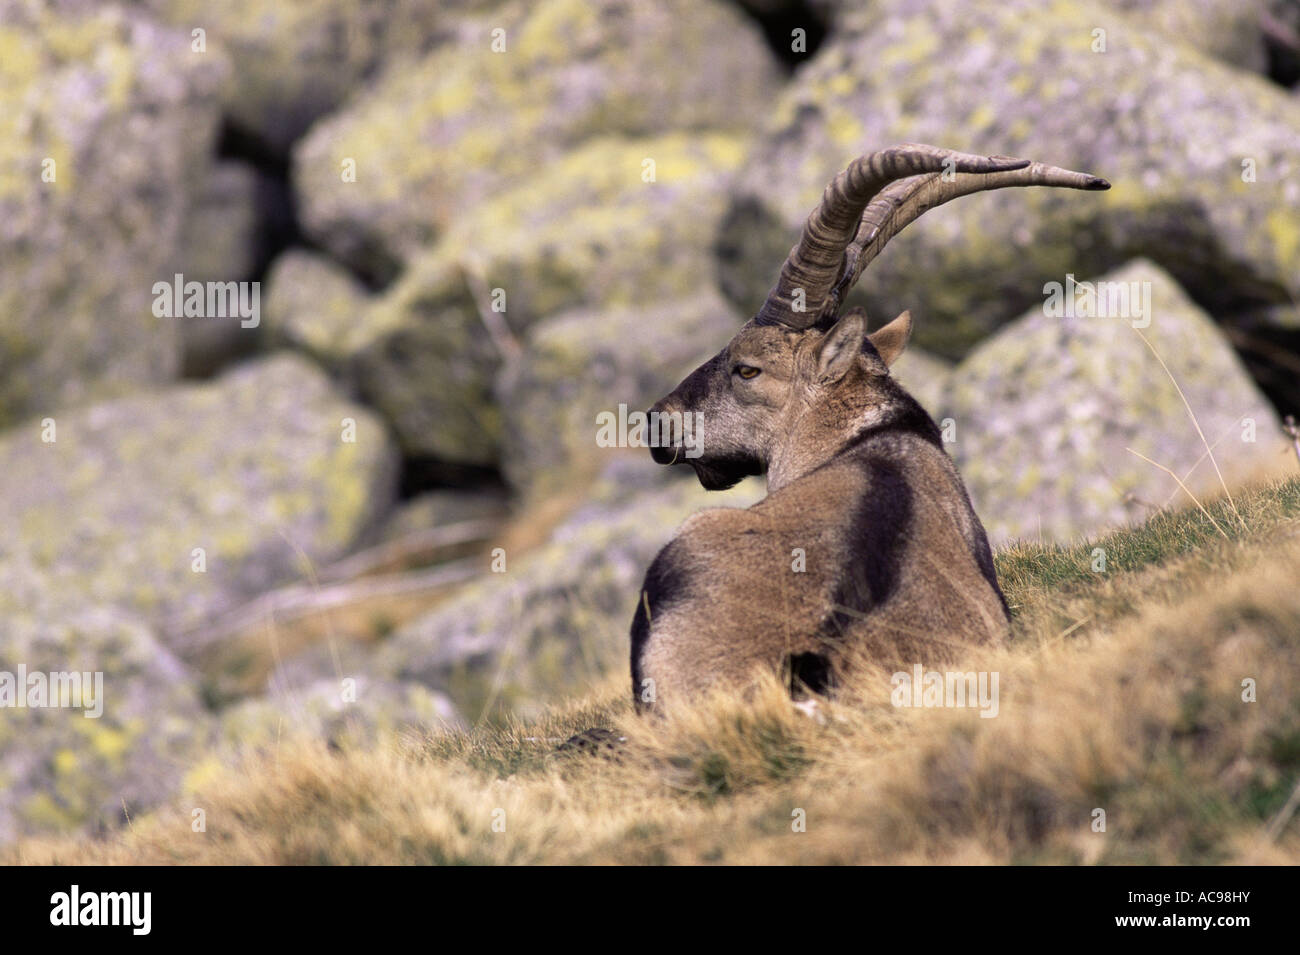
(891, 339)
(841, 346)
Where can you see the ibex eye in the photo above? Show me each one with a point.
(747, 371)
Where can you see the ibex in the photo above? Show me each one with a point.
(866, 546)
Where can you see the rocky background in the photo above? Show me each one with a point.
(475, 225)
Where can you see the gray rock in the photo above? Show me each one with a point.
(925, 377)
(432, 141)
(315, 306)
(353, 709)
(1167, 126)
(1228, 30)
(587, 362)
(61, 770)
(295, 62)
(252, 468)
(442, 507)
(120, 117)
(585, 231)
(221, 243)
(557, 617)
(1046, 409)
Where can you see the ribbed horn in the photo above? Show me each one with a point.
(906, 200)
(814, 266)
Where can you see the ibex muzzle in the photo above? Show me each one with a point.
(866, 549)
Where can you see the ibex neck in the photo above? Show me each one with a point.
(809, 448)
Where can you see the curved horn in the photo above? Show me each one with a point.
(905, 201)
(815, 264)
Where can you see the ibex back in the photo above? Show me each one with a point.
(866, 549)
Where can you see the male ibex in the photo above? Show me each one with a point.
(866, 546)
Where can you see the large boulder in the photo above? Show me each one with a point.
(1047, 409)
(1229, 30)
(585, 363)
(925, 377)
(586, 231)
(295, 62)
(112, 750)
(351, 709)
(431, 141)
(314, 305)
(255, 469)
(556, 618)
(222, 242)
(106, 124)
(444, 506)
(1169, 127)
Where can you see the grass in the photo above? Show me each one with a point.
(1121, 691)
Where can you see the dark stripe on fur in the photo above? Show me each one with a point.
(666, 582)
(875, 537)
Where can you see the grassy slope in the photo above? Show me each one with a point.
(1121, 691)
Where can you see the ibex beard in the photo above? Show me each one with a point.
(866, 550)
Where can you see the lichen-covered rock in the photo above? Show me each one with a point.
(581, 364)
(431, 141)
(295, 62)
(255, 469)
(1229, 30)
(315, 306)
(220, 237)
(441, 507)
(558, 617)
(221, 243)
(588, 230)
(1047, 408)
(351, 709)
(1282, 28)
(1174, 131)
(106, 122)
(61, 769)
(925, 377)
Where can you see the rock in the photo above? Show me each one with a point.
(925, 377)
(558, 617)
(221, 242)
(89, 217)
(1281, 24)
(353, 709)
(315, 306)
(296, 62)
(252, 468)
(432, 141)
(1228, 30)
(1046, 408)
(62, 769)
(422, 357)
(1168, 127)
(585, 231)
(583, 363)
(442, 507)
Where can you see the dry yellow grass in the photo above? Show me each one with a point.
(1122, 691)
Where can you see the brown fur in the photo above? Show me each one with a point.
(897, 568)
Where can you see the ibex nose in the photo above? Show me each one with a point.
(662, 453)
